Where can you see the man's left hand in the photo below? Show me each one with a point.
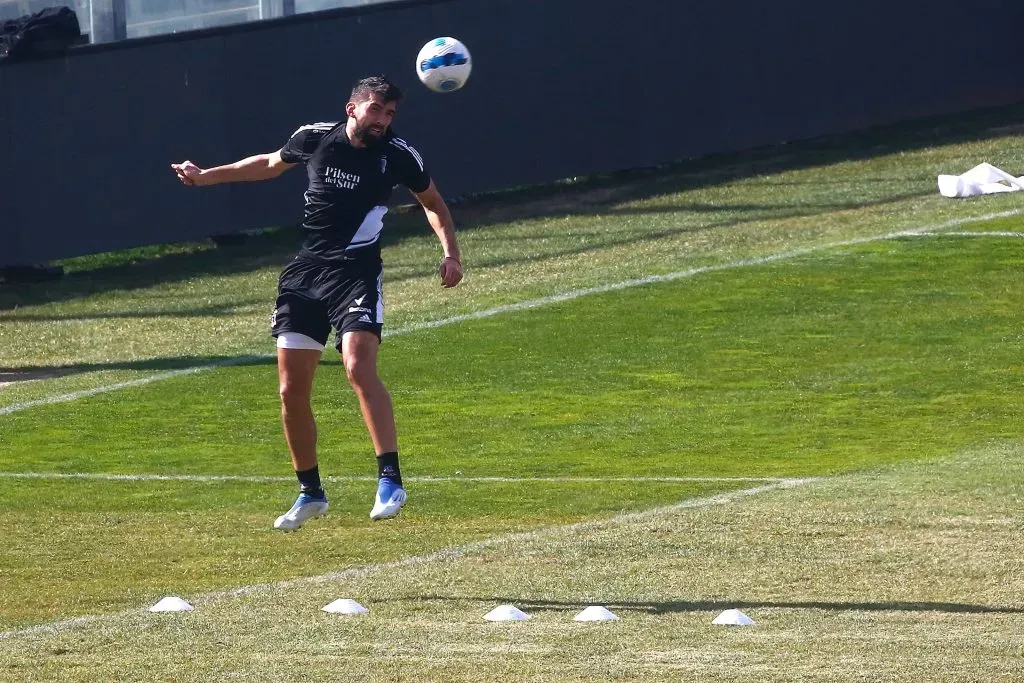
(451, 271)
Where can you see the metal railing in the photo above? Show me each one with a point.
(110, 20)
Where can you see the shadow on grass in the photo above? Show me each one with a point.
(252, 256)
(598, 243)
(718, 605)
(590, 196)
(32, 372)
(131, 270)
(198, 312)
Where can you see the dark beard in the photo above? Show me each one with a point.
(367, 136)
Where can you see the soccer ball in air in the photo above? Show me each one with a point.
(443, 64)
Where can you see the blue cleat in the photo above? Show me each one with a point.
(390, 499)
(306, 507)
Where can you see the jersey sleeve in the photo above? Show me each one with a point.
(411, 170)
(303, 142)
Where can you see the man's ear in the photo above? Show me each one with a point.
(350, 109)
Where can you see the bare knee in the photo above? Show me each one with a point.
(359, 354)
(361, 372)
(294, 396)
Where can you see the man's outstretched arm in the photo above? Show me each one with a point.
(258, 167)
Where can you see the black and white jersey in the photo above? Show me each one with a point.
(349, 188)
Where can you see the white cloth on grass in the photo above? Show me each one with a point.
(982, 179)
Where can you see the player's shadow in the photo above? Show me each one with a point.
(674, 606)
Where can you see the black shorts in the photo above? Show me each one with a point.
(312, 298)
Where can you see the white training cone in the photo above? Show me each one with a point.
(595, 613)
(733, 617)
(506, 613)
(171, 604)
(344, 606)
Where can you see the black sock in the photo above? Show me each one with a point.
(387, 466)
(309, 482)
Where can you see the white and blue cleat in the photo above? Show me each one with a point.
(390, 499)
(306, 507)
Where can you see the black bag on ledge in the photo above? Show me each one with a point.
(48, 31)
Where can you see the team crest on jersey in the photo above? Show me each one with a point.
(383, 165)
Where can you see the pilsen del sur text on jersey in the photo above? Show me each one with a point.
(338, 178)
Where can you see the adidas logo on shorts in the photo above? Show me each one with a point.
(365, 319)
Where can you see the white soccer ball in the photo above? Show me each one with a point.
(443, 64)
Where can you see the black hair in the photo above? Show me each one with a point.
(376, 85)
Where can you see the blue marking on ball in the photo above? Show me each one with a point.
(447, 59)
(439, 42)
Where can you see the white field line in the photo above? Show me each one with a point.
(972, 234)
(107, 476)
(446, 554)
(534, 303)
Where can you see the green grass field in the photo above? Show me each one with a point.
(809, 410)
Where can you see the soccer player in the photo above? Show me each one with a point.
(335, 280)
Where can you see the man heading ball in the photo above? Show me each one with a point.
(336, 279)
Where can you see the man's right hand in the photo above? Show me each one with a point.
(189, 174)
